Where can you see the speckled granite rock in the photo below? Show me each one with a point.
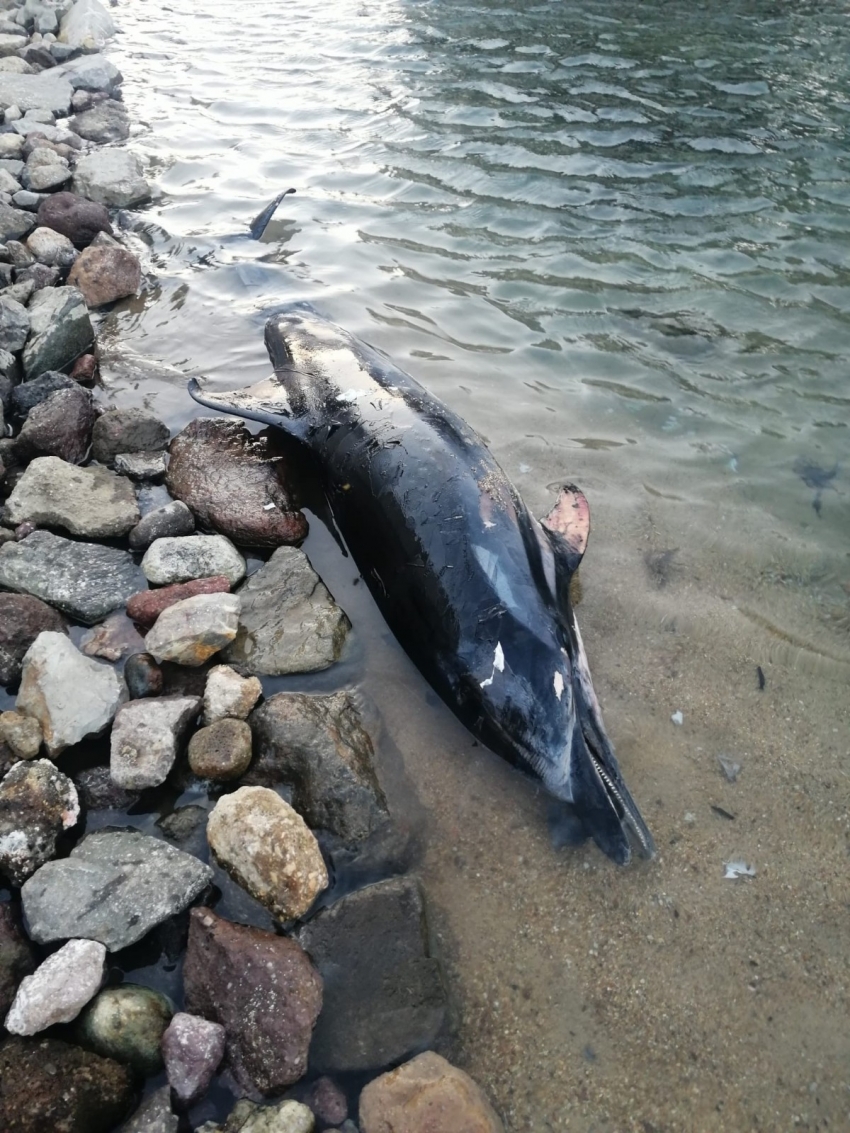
(191, 631)
(192, 557)
(37, 802)
(59, 988)
(192, 1049)
(145, 736)
(92, 502)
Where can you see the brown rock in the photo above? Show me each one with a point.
(60, 426)
(262, 989)
(146, 606)
(105, 274)
(113, 639)
(22, 619)
(17, 958)
(75, 217)
(221, 751)
(52, 1086)
(84, 369)
(327, 1101)
(228, 477)
(426, 1095)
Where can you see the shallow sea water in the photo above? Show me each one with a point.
(615, 238)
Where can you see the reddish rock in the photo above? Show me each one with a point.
(262, 989)
(426, 1095)
(84, 369)
(60, 426)
(229, 477)
(192, 1049)
(146, 606)
(22, 619)
(327, 1101)
(105, 274)
(75, 217)
(17, 958)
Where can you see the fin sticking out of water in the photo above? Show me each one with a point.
(261, 222)
(568, 524)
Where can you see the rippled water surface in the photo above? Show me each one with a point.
(615, 237)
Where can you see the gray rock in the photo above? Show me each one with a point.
(47, 178)
(29, 394)
(51, 248)
(221, 751)
(147, 466)
(17, 957)
(192, 1049)
(192, 556)
(384, 996)
(144, 739)
(154, 1115)
(70, 695)
(8, 183)
(127, 430)
(92, 73)
(18, 253)
(14, 223)
(108, 121)
(59, 988)
(262, 989)
(115, 887)
(317, 746)
(268, 849)
(41, 276)
(86, 24)
(47, 91)
(26, 199)
(289, 621)
(37, 803)
(60, 426)
(85, 501)
(22, 619)
(111, 177)
(190, 631)
(227, 695)
(11, 146)
(127, 1023)
(168, 520)
(84, 580)
(14, 324)
(113, 639)
(61, 330)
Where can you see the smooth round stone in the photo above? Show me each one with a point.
(221, 751)
(143, 676)
(127, 1023)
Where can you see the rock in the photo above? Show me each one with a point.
(192, 1049)
(75, 217)
(192, 557)
(14, 324)
(40, 275)
(221, 751)
(97, 791)
(84, 580)
(20, 733)
(93, 73)
(17, 958)
(127, 430)
(113, 639)
(144, 739)
(61, 330)
(191, 631)
(317, 746)
(39, 58)
(14, 223)
(229, 479)
(37, 803)
(70, 695)
(142, 466)
(83, 370)
(60, 427)
(268, 849)
(143, 676)
(51, 248)
(106, 274)
(328, 1101)
(47, 91)
(22, 619)
(85, 501)
(146, 606)
(115, 887)
(154, 1115)
(29, 394)
(229, 695)
(426, 1095)
(384, 997)
(11, 145)
(46, 179)
(112, 177)
(86, 24)
(59, 988)
(108, 121)
(127, 1023)
(262, 989)
(21, 293)
(285, 1117)
(26, 199)
(51, 1085)
(184, 824)
(289, 621)
(171, 519)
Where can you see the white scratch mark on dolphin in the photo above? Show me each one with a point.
(488, 524)
(498, 663)
(558, 682)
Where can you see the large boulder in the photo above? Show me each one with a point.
(112, 177)
(46, 91)
(75, 217)
(94, 73)
(61, 330)
(85, 501)
(426, 1095)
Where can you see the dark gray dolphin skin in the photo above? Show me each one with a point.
(261, 221)
(473, 587)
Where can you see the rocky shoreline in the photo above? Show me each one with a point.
(149, 585)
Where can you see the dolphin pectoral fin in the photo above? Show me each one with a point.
(569, 523)
(261, 222)
(266, 401)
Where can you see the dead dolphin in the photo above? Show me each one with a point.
(473, 587)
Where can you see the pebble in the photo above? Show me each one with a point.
(268, 849)
(146, 606)
(85, 580)
(289, 621)
(22, 619)
(37, 803)
(59, 426)
(192, 1049)
(21, 733)
(145, 736)
(229, 695)
(58, 989)
(192, 556)
(127, 1023)
(192, 630)
(170, 519)
(75, 217)
(143, 676)
(17, 956)
(127, 430)
(92, 502)
(70, 695)
(115, 887)
(106, 274)
(149, 466)
(262, 989)
(61, 330)
(221, 751)
(111, 177)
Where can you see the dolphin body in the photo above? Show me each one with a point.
(475, 589)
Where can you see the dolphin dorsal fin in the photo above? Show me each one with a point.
(568, 527)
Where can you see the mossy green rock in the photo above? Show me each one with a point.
(126, 1023)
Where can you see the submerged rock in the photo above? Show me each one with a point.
(61, 330)
(59, 988)
(171, 519)
(115, 887)
(146, 606)
(289, 622)
(127, 1023)
(267, 848)
(70, 695)
(85, 501)
(112, 639)
(221, 751)
(154, 1115)
(192, 1049)
(192, 557)
(227, 695)
(328, 1101)
(22, 619)
(59, 426)
(191, 631)
(127, 430)
(17, 956)
(233, 483)
(37, 803)
(262, 989)
(111, 177)
(143, 676)
(426, 1095)
(75, 217)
